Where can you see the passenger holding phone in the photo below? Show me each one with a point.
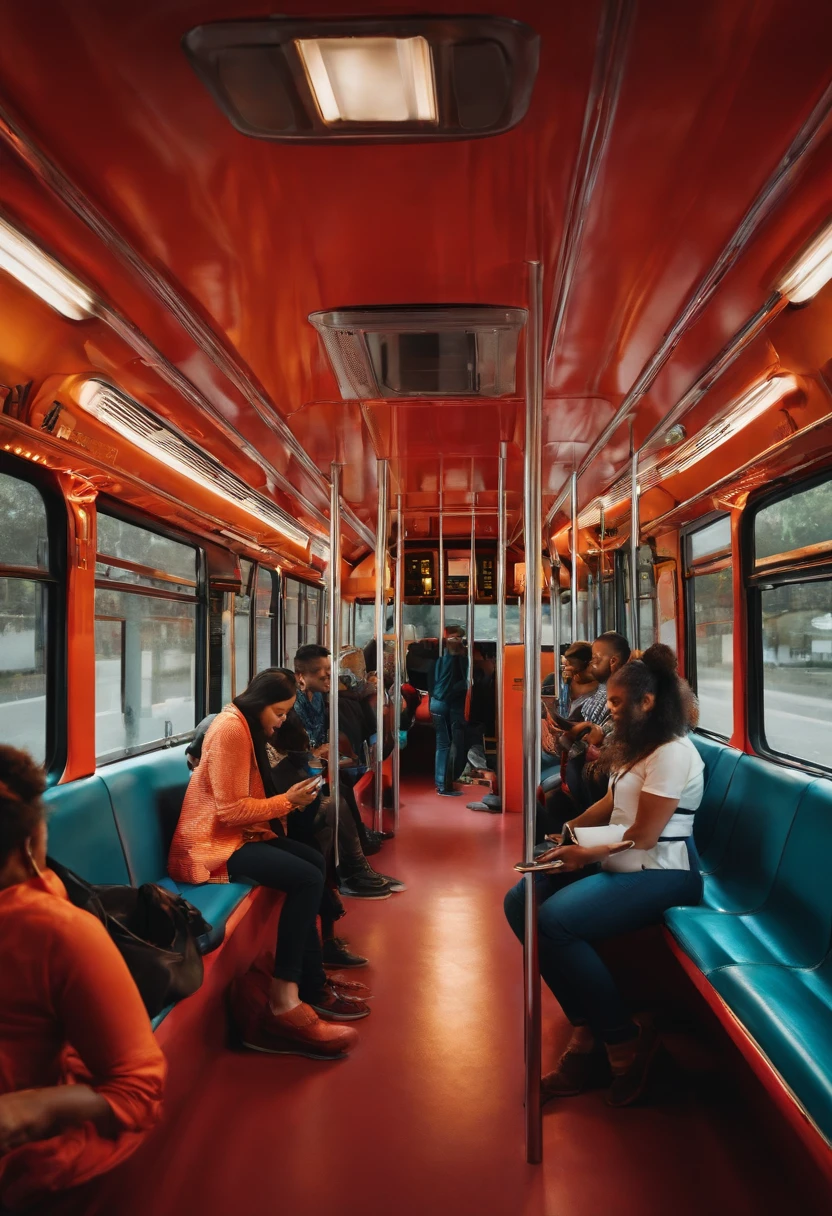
(226, 832)
(655, 788)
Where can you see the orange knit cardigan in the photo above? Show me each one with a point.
(225, 804)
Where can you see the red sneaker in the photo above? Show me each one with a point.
(333, 1007)
(300, 1032)
(349, 987)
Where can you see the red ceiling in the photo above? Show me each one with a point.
(249, 237)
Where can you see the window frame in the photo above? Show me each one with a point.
(303, 621)
(55, 580)
(712, 563)
(798, 571)
(122, 511)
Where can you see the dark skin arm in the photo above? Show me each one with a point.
(37, 1114)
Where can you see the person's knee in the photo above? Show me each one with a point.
(514, 906)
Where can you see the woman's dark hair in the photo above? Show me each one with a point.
(636, 736)
(579, 652)
(267, 688)
(291, 736)
(22, 783)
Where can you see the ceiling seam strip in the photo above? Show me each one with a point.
(813, 129)
(611, 48)
(12, 132)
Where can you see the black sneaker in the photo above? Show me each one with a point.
(336, 953)
(361, 886)
(372, 846)
(395, 884)
(449, 793)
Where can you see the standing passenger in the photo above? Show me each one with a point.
(447, 705)
(64, 1118)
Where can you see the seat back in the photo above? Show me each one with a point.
(799, 907)
(720, 762)
(146, 793)
(82, 831)
(751, 832)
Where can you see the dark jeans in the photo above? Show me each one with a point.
(298, 869)
(315, 825)
(577, 909)
(449, 724)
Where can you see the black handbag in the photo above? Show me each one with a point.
(155, 931)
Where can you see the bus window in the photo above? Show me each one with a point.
(302, 617)
(264, 619)
(646, 597)
(792, 553)
(146, 603)
(710, 622)
(242, 630)
(24, 589)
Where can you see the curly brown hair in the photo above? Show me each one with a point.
(22, 783)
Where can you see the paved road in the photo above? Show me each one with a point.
(798, 724)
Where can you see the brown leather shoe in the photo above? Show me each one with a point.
(300, 1032)
(630, 1082)
(347, 986)
(334, 1006)
(577, 1071)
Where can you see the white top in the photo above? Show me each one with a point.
(674, 770)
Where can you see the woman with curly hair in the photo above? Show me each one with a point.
(603, 890)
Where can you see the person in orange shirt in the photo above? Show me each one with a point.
(231, 829)
(81, 1075)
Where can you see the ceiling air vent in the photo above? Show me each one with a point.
(368, 78)
(142, 428)
(422, 351)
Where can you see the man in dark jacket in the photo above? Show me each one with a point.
(447, 705)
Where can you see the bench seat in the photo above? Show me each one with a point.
(759, 946)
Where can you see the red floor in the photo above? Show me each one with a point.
(426, 1116)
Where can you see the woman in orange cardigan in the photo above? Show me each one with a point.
(81, 1075)
(231, 828)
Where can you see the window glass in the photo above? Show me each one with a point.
(167, 564)
(23, 663)
(313, 614)
(145, 645)
(794, 523)
(23, 536)
(242, 630)
(646, 597)
(264, 619)
(797, 670)
(715, 538)
(292, 607)
(713, 605)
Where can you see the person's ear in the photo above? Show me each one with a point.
(29, 850)
(648, 702)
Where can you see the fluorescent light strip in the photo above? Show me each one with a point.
(24, 261)
(750, 406)
(370, 80)
(811, 271)
(136, 424)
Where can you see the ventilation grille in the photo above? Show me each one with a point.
(141, 427)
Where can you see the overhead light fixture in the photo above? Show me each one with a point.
(139, 426)
(370, 79)
(810, 271)
(725, 426)
(24, 261)
(385, 78)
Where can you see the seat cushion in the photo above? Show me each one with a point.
(720, 762)
(146, 793)
(744, 853)
(718, 939)
(82, 831)
(788, 1013)
(216, 901)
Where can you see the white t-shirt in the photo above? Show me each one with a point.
(674, 770)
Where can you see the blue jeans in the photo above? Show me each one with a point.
(446, 720)
(577, 909)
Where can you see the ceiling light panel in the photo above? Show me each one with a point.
(811, 271)
(388, 78)
(370, 80)
(24, 261)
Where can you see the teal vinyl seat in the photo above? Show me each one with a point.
(82, 831)
(146, 793)
(788, 1013)
(720, 762)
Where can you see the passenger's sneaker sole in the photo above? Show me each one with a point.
(327, 1015)
(307, 1052)
(385, 894)
(342, 966)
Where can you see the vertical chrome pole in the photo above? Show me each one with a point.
(574, 596)
(501, 615)
(554, 607)
(381, 604)
(533, 527)
(441, 564)
(472, 592)
(398, 628)
(635, 528)
(333, 585)
(602, 566)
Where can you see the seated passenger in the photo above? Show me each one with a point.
(581, 682)
(656, 786)
(226, 832)
(81, 1075)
